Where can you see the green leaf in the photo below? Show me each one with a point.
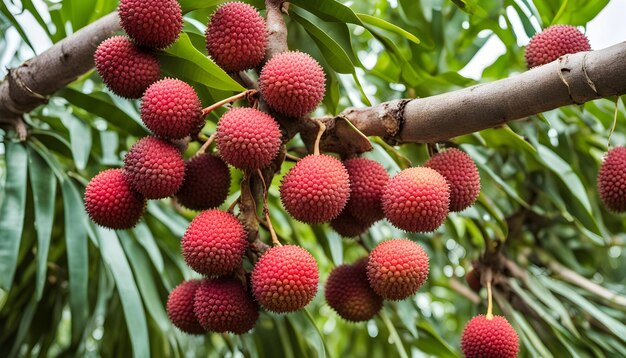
(382, 24)
(80, 139)
(43, 185)
(78, 10)
(77, 256)
(190, 5)
(12, 211)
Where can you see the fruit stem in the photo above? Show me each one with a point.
(608, 144)
(206, 144)
(266, 211)
(291, 157)
(248, 94)
(316, 148)
(489, 315)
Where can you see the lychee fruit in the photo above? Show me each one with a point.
(612, 180)
(236, 37)
(248, 138)
(473, 280)
(417, 200)
(462, 175)
(368, 179)
(151, 23)
(554, 42)
(214, 243)
(316, 189)
(111, 202)
(206, 184)
(348, 292)
(225, 305)
(180, 307)
(285, 279)
(292, 83)
(347, 225)
(494, 337)
(154, 167)
(397, 268)
(124, 68)
(170, 108)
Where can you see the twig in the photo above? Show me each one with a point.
(206, 144)
(320, 132)
(249, 94)
(266, 211)
(464, 291)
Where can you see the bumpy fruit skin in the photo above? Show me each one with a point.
(462, 175)
(248, 138)
(170, 108)
(368, 179)
(151, 23)
(206, 184)
(397, 268)
(612, 180)
(554, 42)
(154, 167)
(316, 189)
(225, 305)
(489, 338)
(417, 200)
(214, 243)
(236, 37)
(180, 307)
(348, 292)
(347, 225)
(285, 279)
(124, 68)
(111, 202)
(292, 83)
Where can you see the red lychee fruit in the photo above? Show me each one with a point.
(236, 37)
(124, 68)
(214, 243)
(111, 202)
(180, 307)
(612, 180)
(316, 189)
(473, 280)
(151, 23)
(348, 226)
(348, 292)
(484, 337)
(285, 279)
(206, 184)
(417, 200)
(248, 138)
(462, 175)
(170, 108)
(554, 42)
(368, 179)
(225, 305)
(292, 83)
(397, 268)
(154, 167)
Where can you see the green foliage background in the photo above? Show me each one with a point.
(68, 287)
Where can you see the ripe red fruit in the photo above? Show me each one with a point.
(180, 307)
(225, 305)
(397, 268)
(206, 184)
(554, 42)
(292, 83)
(154, 167)
(612, 180)
(111, 202)
(214, 243)
(236, 37)
(316, 189)
(124, 68)
(348, 292)
(489, 338)
(170, 108)
(151, 23)
(368, 179)
(248, 138)
(348, 226)
(461, 174)
(285, 279)
(473, 280)
(417, 200)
